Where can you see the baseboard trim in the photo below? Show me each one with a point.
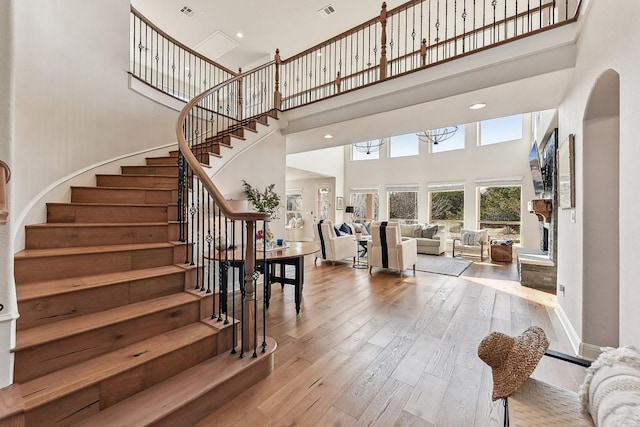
(574, 338)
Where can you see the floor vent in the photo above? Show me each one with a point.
(326, 11)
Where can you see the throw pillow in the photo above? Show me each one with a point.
(344, 228)
(611, 388)
(417, 231)
(337, 230)
(429, 231)
(472, 237)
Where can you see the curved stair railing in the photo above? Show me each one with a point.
(208, 222)
(162, 62)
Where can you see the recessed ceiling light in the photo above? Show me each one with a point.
(328, 136)
(477, 106)
(239, 35)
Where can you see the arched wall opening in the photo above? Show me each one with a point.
(600, 197)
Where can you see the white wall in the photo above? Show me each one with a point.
(7, 293)
(598, 51)
(263, 165)
(329, 162)
(73, 107)
(504, 160)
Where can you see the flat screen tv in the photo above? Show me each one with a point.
(536, 170)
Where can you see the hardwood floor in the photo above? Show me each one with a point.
(387, 350)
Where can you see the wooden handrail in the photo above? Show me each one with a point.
(5, 176)
(448, 41)
(182, 45)
(194, 163)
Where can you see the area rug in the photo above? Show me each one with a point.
(442, 264)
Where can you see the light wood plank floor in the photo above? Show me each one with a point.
(386, 350)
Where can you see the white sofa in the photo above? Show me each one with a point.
(435, 245)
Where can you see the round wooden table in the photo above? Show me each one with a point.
(292, 254)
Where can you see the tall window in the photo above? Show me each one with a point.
(446, 207)
(323, 198)
(294, 204)
(404, 145)
(365, 204)
(500, 209)
(403, 204)
(502, 129)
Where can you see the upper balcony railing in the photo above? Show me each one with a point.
(416, 35)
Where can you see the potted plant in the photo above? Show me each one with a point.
(266, 201)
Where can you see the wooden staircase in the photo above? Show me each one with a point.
(111, 329)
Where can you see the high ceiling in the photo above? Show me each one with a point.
(289, 25)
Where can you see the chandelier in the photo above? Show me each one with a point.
(369, 147)
(436, 136)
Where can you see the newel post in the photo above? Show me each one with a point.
(338, 82)
(249, 290)
(240, 94)
(277, 96)
(423, 52)
(383, 42)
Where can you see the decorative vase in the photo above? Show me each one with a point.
(221, 243)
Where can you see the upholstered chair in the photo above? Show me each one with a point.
(387, 248)
(333, 247)
(472, 242)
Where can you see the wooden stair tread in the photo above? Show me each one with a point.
(99, 187)
(133, 175)
(74, 284)
(50, 387)
(157, 402)
(38, 253)
(50, 332)
(97, 224)
(131, 205)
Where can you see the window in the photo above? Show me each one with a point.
(502, 129)
(500, 208)
(323, 200)
(456, 142)
(365, 203)
(294, 204)
(403, 204)
(446, 207)
(404, 145)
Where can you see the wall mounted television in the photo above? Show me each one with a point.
(542, 163)
(536, 171)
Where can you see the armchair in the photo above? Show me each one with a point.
(472, 241)
(332, 247)
(387, 249)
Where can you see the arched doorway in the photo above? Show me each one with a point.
(600, 196)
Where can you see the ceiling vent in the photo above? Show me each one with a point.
(326, 11)
(187, 10)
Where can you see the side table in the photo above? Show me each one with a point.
(501, 253)
(362, 251)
